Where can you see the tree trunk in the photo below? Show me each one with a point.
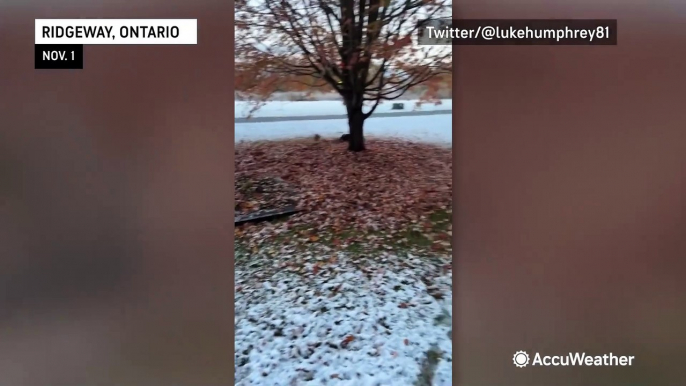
(356, 123)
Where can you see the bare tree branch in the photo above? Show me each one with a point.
(366, 50)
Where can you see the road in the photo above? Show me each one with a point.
(337, 116)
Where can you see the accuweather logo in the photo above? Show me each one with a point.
(521, 359)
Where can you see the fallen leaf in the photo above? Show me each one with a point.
(347, 340)
(406, 341)
(403, 305)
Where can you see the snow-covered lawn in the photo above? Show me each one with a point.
(331, 320)
(427, 128)
(323, 316)
(307, 108)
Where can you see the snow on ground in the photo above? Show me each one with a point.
(346, 323)
(308, 108)
(427, 128)
(304, 319)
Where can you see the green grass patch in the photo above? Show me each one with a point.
(431, 235)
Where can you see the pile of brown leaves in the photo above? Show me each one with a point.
(391, 187)
(256, 194)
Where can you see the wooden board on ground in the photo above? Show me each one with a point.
(265, 215)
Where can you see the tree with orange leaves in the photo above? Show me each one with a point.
(365, 50)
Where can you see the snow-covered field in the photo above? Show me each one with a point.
(324, 319)
(427, 128)
(309, 108)
(384, 324)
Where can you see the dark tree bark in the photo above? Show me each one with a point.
(356, 118)
(356, 126)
